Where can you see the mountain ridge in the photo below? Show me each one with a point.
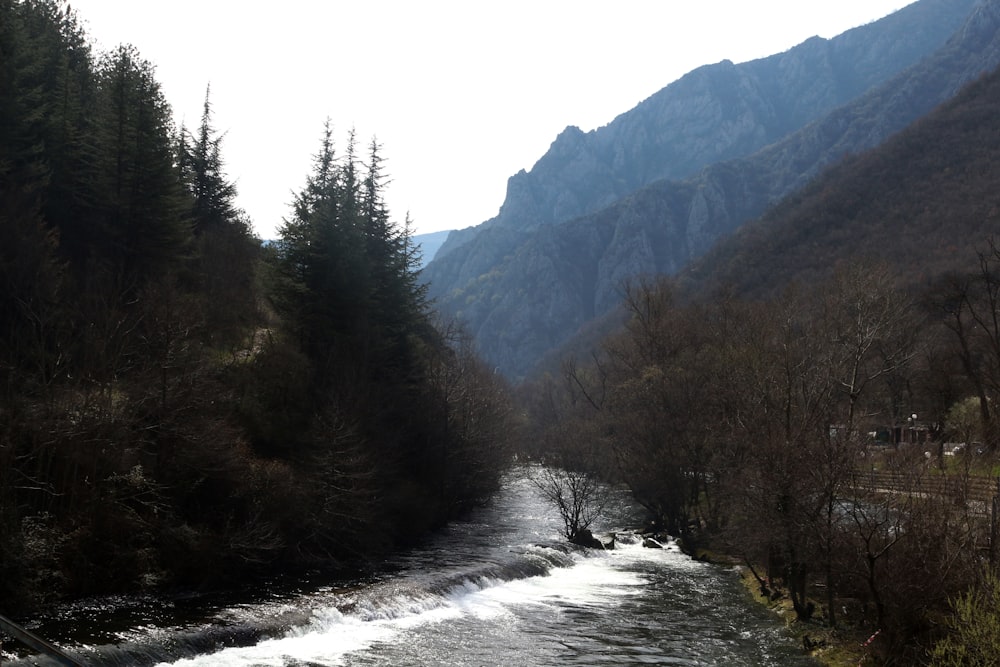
(539, 286)
(923, 203)
(675, 131)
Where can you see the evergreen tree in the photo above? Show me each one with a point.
(202, 169)
(398, 303)
(45, 87)
(349, 290)
(226, 250)
(322, 263)
(139, 223)
(349, 273)
(30, 318)
(45, 83)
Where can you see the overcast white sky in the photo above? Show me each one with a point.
(461, 94)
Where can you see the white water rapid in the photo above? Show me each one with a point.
(501, 588)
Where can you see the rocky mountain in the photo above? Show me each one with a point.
(715, 113)
(526, 280)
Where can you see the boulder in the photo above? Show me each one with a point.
(585, 538)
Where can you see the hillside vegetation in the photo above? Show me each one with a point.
(921, 203)
(180, 406)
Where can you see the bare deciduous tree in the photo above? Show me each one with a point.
(579, 496)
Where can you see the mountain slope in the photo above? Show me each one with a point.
(714, 113)
(923, 202)
(523, 292)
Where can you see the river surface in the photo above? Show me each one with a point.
(500, 588)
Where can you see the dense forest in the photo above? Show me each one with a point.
(180, 404)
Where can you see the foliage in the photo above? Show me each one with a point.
(200, 161)
(963, 421)
(137, 225)
(180, 405)
(974, 638)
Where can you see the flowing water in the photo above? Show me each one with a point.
(501, 588)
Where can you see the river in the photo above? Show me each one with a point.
(500, 588)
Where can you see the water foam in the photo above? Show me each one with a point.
(586, 580)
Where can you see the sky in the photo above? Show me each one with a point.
(461, 95)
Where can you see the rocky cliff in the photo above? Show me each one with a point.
(526, 280)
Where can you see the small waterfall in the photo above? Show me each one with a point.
(502, 587)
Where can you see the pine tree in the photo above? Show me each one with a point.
(322, 264)
(225, 251)
(201, 163)
(45, 82)
(30, 318)
(398, 301)
(138, 211)
(45, 86)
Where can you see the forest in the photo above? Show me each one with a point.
(839, 440)
(182, 405)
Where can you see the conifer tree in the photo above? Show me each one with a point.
(200, 159)
(45, 81)
(391, 303)
(45, 87)
(225, 250)
(140, 226)
(324, 286)
(30, 321)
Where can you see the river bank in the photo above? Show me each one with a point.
(844, 646)
(840, 647)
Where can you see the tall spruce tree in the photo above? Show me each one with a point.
(349, 271)
(200, 159)
(140, 225)
(322, 264)
(45, 81)
(398, 301)
(225, 249)
(45, 90)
